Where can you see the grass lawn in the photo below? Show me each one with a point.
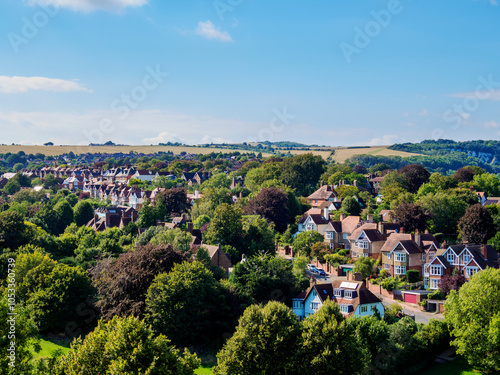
(457, 367)
(49, 345)
(204, 370)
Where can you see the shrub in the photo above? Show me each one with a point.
(413, 276)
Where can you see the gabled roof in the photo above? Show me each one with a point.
(323, 193)
(368, 226)
(492, 256)
(318, 219)
(350, 223)
(335, 226)
(393, 240)
(410, 246)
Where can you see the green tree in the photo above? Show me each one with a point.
(259, 236)
(226, 227)
(365, 266)
(345, 191)
(304, 242)
(329, 345)
(411, 217)
(351, 207)
(266, 278)
(272, 204)
(125, 346)
(25, 335)
(147, 216)
(12, 230)
(414, 176)
(12, 187)
(188, 305)
(445, 211)
(64, 215)
(474, 315)
(267, 341)
(477, 225)
(486, 182)
(83, 212)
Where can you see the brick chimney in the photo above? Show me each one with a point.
(484, 251)
(369, 218)
(381, 228)
(342, 216)
(418, 238)
(402, 230)
(358, 277)
(313, 281)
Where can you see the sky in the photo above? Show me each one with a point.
(337, 73)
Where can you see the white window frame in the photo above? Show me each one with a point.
(466, 258)
(309, 227)
(329, 235)
(400, 257)
(389, 256)
(433, 283)
(338, 293)
(450, 257)
(363, 244)
(387, 267)
(400, 270)
(315, 306)
(471, 271)
(344, 309)
(436, 270)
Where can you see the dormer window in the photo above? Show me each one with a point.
(338, 293)
(350, 294)
(450, 257)
(466, 257)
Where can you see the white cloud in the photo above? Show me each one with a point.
(91, 5)
(491, 125)
(210, 31)
(385, 140)
(163, 137)
(24, 84)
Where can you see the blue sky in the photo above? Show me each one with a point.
(325, 72)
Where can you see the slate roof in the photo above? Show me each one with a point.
(323, 193)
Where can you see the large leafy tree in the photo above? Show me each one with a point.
(125, 346)
(226, 227)
(351, 207)
(259, 236)
(477, 225)
(171, 201)
(415, 175)
(64, 215)
(364, 266)
(474, 315)
(267, 341)
(83, 212)
(304, 242)
(445, 211)
(122, 285)
(302, 172)
(188, 305)
(329, 344)
(411, 217)
(12, 230)
(486, 182)
(272, 204)
(266, 278)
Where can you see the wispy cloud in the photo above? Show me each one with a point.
(480, 95)
(385, 140)
(91, 5)
(13, 85)
(210, 31)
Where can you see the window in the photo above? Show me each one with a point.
(470, 271)
(431, 256)
(387, 266)
(339, 293)
(434, 283)
(450, 257)
(436, 270)
(389, 256)
(314, 293)
(309, 227)
(363, 244)
(344, 309)
(400, 270)
(354, 254)
(364, 309)
(466, 258)
(329, 235)
(400, 257)
(345, 236)
(315, 306)
(423, 257)
(350, 294)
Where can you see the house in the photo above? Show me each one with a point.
(218, 257)
(467, 259)
(366, 241)
(111, 217)
(325, 193)
(144, 175)
(353, 298)
(491, 200)
(406, 251)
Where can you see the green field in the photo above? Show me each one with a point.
(204, 371)
(49, 346)
(457, 367)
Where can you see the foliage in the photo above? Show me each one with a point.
(414, 175)
(266, 341)
(226, 227)
(477, 225)
(83, 212)
(453, 282)
(266, 278)
(188, 305)
(390, 283)
(445, 211)
(12, 230)
(122, 285)
(304, 242)
(474, 315)
(411, 217)
(125, 346)
(272, 204)
(364, 265)
(351, 206)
